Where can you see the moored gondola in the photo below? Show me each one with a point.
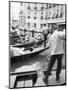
(30, 49)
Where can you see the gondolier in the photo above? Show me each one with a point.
(56, 52)
(45, 33)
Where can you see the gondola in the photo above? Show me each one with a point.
(30, 49)
(29, 44)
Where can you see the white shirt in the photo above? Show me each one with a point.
(56, 42)
(45, 29)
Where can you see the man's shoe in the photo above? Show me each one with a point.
(45, 73)
(57, 78)
(50, 73)
(46, 81)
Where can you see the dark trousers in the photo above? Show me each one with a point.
(45, 38)
(53, 58)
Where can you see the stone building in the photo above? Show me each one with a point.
(36, 15)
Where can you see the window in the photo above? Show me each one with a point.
(28, 3)
(42, 13)
(48, 17)
(44, 24)
(57, 10)
(35, 3)
(35, 25)
(56, 15)
(21, 3)
(28, 12)
(35, 17)
(61, 14)
(28, 17)
(35, 8)
(41, 17)
(54, 5)
(46, 6)
(28, 7)
(35, 13)
(41, 26)
(50, 6)
(28, 24)
(21, 12)
(45, 18)
(53, 16)
(42, 8)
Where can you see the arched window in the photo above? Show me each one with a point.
(42, 8)
(35, 8)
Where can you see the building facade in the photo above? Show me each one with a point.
(35, 15)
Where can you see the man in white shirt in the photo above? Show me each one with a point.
(28, 36)
(45, 33)
(56, 52)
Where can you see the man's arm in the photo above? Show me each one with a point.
(49, 42)
(62, 34)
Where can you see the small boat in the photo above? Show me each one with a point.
(28, 44)
(29, 49)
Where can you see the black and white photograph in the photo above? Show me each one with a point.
(37, 44)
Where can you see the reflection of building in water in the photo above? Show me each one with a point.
(35, 15)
